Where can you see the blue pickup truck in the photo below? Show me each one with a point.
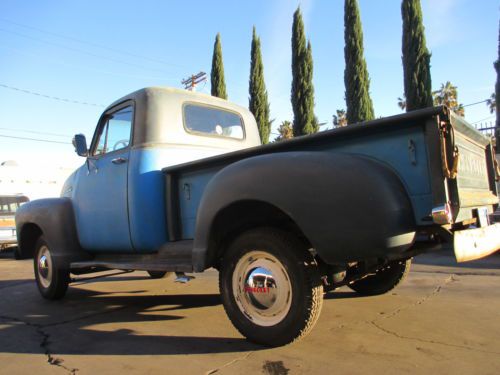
(175, 181)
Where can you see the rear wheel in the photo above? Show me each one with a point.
(384, 279)
(158, 274)
(270, 287)
(51, 279)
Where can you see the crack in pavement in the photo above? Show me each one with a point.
(437, 289)
(242, 358)
(399, 336)
(44, 344)
(449, 279)
(395, 312)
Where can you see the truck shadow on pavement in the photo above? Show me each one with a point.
(107, 324)
(11, 283)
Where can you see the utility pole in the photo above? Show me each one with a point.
(191, 82)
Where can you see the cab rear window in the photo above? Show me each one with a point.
(213, 121)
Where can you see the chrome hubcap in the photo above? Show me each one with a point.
(44, 268)
(262, 288)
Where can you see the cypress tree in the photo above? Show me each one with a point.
(356, 78)
(313, 126)
(258, 101)
(416, 58)
(217, 74)
(302, 97)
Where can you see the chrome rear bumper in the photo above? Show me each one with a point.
(477, 243)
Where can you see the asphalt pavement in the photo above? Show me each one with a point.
(444, 319)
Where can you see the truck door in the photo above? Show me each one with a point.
(101, 207)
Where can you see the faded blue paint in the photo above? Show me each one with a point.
(191, 187)
(146, 198)
(100, 202)
(391, 150)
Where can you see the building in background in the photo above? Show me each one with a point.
(35, 182)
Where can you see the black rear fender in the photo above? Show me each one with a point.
(348, 207)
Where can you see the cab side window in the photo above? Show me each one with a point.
(115, 133)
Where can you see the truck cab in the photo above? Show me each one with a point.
(118, 194)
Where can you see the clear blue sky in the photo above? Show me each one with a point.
(97, 51)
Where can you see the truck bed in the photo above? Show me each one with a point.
(410, 144)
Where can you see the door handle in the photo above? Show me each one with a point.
(119, 160)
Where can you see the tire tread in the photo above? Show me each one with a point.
(312, 283)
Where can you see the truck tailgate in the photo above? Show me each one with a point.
(474, 184)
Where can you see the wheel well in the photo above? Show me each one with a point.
(29, 235)
(242, 216)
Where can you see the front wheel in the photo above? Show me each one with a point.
(384, 279)
(52, 280)
(270, 287)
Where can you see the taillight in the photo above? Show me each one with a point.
(442, 214)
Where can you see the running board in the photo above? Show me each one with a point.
(174, 256)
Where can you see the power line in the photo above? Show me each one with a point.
(34, 139)
(484, 119)
(91, 43)
(80, 51)
(36, 132)
(59, 62)
(49, 96)
(482, 101)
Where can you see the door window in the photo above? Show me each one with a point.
(115, 133)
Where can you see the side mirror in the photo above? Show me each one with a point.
(80, 144)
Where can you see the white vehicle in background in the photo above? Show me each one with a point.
(8, 207)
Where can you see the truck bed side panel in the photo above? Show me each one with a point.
(401, 150)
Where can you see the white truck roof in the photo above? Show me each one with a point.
(160, 110)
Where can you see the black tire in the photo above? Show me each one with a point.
(274, 317)
(384, 280)
(52, 281)
(158, 274)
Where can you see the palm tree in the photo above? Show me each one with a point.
(402, 102)
(447, 95)
(340, 119)
(492, 103)
(285, 130)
